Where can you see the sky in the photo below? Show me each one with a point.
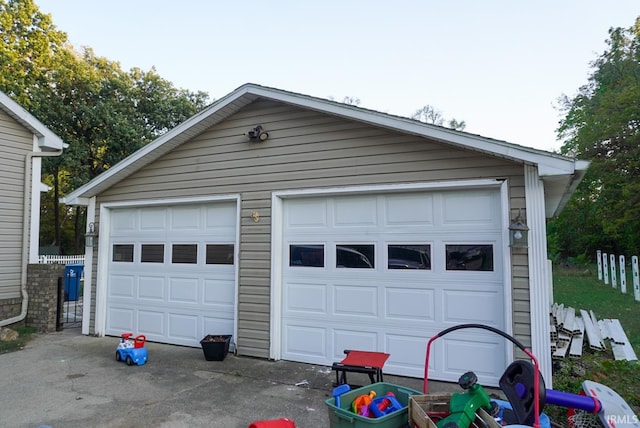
(499, 65)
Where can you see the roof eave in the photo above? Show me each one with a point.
(559, 188)
(208, 117)
(47, 140)
(549, 164)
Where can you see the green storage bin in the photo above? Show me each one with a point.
(343, 417)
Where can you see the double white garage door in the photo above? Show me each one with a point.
(372, 272)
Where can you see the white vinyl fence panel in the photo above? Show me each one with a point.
(614, 281)
(623, 275)
(607, 267)
(599, 259)
(636, 280)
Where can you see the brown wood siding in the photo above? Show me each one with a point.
(15, 143)
(305, 150)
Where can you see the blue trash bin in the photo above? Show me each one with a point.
(72, 275)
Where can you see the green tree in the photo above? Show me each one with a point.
(29, 49)
(429, 114)
(103, 112)
(602, 124)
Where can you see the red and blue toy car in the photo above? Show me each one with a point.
(132, 351)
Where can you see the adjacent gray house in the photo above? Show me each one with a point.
(305, 227)
(23, 142)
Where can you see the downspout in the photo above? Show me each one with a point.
(25, 233)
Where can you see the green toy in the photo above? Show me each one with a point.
(463, 406)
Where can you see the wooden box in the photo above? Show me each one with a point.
(437, 405)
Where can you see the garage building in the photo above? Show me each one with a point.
(304, 227)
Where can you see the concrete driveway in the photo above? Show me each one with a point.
(66, 379)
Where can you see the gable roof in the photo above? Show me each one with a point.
(47, 140)
(560, 173)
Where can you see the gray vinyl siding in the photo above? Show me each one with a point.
(519, 273)
(306, 149)
(519, 269)
(15, 142)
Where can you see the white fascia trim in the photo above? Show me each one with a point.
(389, 188)
(507, 263)
(277, 228)
(80, 201)
(102, 274)
(46, 138)
(170, 201)
(236, 255)
(34, 216)
(88, 272)
(275, 317)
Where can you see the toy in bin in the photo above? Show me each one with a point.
(463, 406)
(370, 406)
(384, 405)
(132, 351)
(361, 404)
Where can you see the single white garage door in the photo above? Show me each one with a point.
(172, 272)
(387, 272)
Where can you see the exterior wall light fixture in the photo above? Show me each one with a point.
(518, 233)
(257, 134)
(91, 235)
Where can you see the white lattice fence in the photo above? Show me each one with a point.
(64, 260)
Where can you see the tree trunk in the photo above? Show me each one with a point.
(78, 230)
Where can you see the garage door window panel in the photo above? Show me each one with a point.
(152, 253)
(184, 254)
(355, 256)
(123, 253)
(471, 257)
(306, 255)
(219, 254)
(409, 256)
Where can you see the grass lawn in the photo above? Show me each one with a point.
(579, 288)
(24, 335)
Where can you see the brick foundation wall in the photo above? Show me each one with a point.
(44, 295)
(10, 308)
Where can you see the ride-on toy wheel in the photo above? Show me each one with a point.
(129, 360)
(118, 356)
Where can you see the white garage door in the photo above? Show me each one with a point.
(172, 272)
(387, 272)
